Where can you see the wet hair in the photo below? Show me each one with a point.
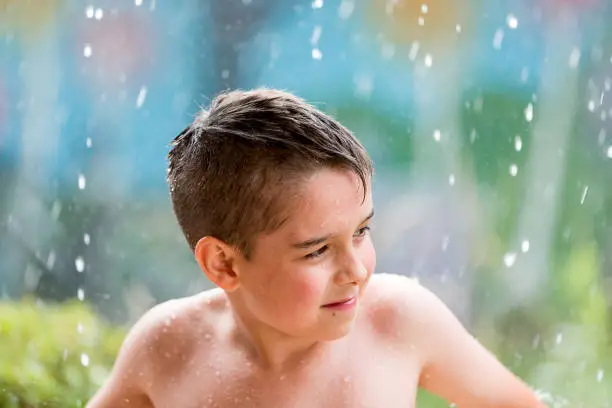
(233, 171)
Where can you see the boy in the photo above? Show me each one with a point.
(274, 198)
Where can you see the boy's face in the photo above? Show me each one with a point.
(322, 255)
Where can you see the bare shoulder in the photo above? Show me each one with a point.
(158, 344)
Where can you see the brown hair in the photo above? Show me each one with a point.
(229, 168)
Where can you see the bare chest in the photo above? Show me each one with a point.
(377, 381)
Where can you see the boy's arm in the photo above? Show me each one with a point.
(125, 387)
(458, 368)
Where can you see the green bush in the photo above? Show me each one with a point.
(53, 355)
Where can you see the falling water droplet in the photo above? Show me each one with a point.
(84, 360)
(138, 2)
(437, 135)
(317, 54)
(414, 50)
(89, 12)
(584, 194)
(142, 95)
(316, 35)
(317, 4)
(609, 153)
(80, 328)
(421, 21)
(79, 263)
(82, 182)
(458, 28)
(525, 245)
(529, 112)
(424, 8)
(51, 260)
(346, 9)
(88, 142)
(512, 21)
(591, 106)
(498, 38)
(518, 143)
(574, 58)
(513, 170)
(86, 239)
(509, 259)
(451, 179)
(600, 375)
(559, 338)
(428, 60)
(87, 51)
(524, 75)
(99, 14)
(80, 294)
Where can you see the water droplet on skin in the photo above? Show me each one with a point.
(84, 360)
(512, 21)
(87, 51)
(513, 170)
(79, 264)
(509, 259)
(82, 182)
(317, 4)
(529, 112)
(207, 337)
(498, 38)
(518, 143)
(525, 245)
(347, 378)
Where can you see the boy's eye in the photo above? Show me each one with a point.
(316, 253)
(361, 232)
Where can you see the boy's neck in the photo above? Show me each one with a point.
(275, 351)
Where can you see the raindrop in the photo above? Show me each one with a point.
(86, 239)
(80, 328)
(316, 35)
(451, 179)
(437, 135)
(424, 8)
(346, 9)
(142, 95)
(317, 4)
(529, 112)
(600, 375)
(225, 74)
(428, 60)
(509, 259)
(363, 85)
(82, 182)
(498, 38)
(84, 360)
(473, 136)
(51, 260)
(99, 14)
(458, 28)
(591, 106)
(609, 153)
(559, 338)
(88, 142)
(138, 2)
(535, 342)
(524, 74)
(414, 50)
(512, 21)
(80, 294)
(79, 264)
(518, 143)
(574, 58)
(445, 242)
(388, 51)
(89, 11)
(317, 54)
(584, 194)
(87, 51)
(525, 245)
(421, 21)
(513, 170)
(601, 137)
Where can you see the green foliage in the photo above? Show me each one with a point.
(53, 355)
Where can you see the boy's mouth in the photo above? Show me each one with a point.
(344, 302)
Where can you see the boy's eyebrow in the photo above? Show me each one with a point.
(316, 241)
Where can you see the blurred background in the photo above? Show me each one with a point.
(490, 124)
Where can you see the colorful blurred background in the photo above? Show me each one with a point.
(490, 123)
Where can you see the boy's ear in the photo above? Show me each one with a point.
(217, 261)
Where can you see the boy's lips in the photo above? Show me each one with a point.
(345, 301)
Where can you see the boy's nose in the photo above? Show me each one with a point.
(353, 272)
